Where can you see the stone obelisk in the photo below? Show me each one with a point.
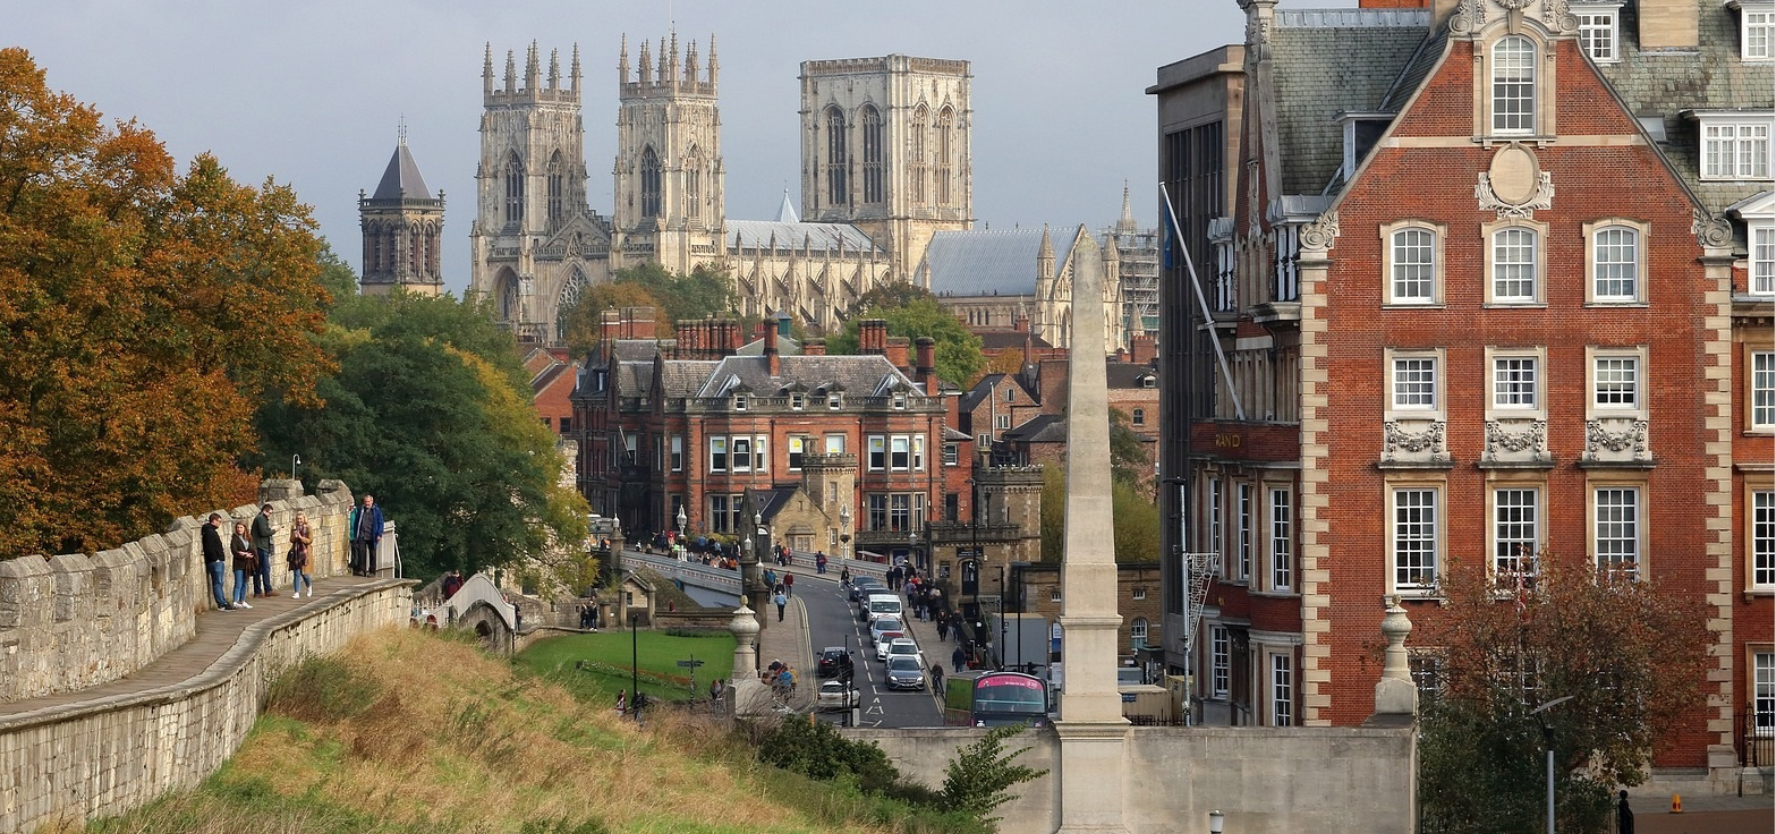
(1093, 733)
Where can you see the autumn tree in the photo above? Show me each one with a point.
(1136, 519)
(1629, 652)
(582, 321)
(145, 313)
(958, 350)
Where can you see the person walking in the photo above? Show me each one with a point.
(1623, 816)
(959, 659)
(789, 583)
(215, 561)
(300, 539)
(782, 601)
(241, 546)
(263, 547)
(366, 537)
(937, 679)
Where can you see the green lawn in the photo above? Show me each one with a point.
(607, 658)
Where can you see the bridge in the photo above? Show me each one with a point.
(718, 587)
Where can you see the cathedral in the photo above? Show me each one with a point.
(885, 166)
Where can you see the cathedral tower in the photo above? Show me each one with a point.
(530, 186)
(668, 170)
(886, 145)
(402, 225)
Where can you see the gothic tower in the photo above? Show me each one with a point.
(886, 145)
(531, 186)
(402, 225)
(668, 169)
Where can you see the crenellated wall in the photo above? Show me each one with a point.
(73, 621)
(109, 755)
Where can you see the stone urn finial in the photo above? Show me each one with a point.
(744, 627)
(1395, 692)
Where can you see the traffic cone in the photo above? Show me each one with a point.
(1676, 803)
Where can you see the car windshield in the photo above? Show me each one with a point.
(903, 648)
(903, 664)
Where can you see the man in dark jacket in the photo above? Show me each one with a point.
(263, 533)
(366, 537)
(215, 560)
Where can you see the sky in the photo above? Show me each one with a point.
(312, 93)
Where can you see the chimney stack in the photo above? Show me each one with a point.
(872, 337)
(899, 352)
(926, 350)
(813, 347)
(1669, 24)
(771, 359)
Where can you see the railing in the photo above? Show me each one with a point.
(1755, 738)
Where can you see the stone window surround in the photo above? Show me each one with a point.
(1753, 484)
(1438, 234)
(1609, 11)
(1642, 409)
(1270, 489)
(1546, 80)
(1436, 482)
(1751, 652)
(1751, 426)
(1745, 9)
(1489, 232)
(1643, 236)
(1439, 410)
(1764, 118)
(1619, 479)
(1495, 412)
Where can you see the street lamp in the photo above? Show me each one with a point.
(1001, 620)
(844, 530)
(295, 461)
(635, 665)
(1216, 822)
(681, 521)
(1547, 730)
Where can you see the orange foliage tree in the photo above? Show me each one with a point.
(145, 316)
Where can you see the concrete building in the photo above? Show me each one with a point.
(899, 125)
(1531, 348)
(403, 225)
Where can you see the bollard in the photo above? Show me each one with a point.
(1676, 803)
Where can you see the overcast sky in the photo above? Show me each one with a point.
(311, 92)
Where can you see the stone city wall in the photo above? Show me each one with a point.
(1267, 780)
(76, 620)
(110, 755)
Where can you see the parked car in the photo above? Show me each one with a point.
(832, 661)
(836, 695)
(880, 604)
(883, 625)
(884, 647)
(902, 647)
(905, 672)
(863, 586)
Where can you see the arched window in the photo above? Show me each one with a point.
(1137, 632)
(837, 159)
(1513, 85)
(945, 154)
(507, 288)
(569, 298)
(917, 168)
(1616, 264)
(872, 190)
(557, 184)
(514, 189)
(649, 182)
(1414, 266)
(1514, 266)
(693, 183)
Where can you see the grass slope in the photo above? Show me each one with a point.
(408, 731)
(607, 662)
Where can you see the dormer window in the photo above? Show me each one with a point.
(1734, 144)
(1361, 131)
(1756, 29)
(1513, 86)
(835, 400)
(1599, 30)
(899, 400)
(740, 402)
(797, 401)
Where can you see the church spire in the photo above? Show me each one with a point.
(671, 68)
(532, 70)
(622, 61)
(690, 64)
(714, 65)
(574, 73)
(554, 69)
(487, 72)
(644, 73)
(1045, 254)
(511, 72)
(1126, 225)
(665, 59)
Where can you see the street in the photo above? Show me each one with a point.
(832, 621)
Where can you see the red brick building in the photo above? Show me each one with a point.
(1473, 305)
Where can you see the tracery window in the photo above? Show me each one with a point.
(837, 159)
(650, 183)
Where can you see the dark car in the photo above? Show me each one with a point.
(861, 586)
(833, 659)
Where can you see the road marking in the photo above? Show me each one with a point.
(875, 710)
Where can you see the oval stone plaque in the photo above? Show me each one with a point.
(1515, 174)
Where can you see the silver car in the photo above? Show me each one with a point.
(905, 672)
(836, 695)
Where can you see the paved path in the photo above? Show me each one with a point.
(1703, 815)
(788, 641)
(217, 632)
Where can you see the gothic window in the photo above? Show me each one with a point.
(693, 183)
(649, 183)
(557, 191)
(945, 154)
(837, 159)
(514, 190)
(1513, 86)
(508, 296)
(872, 190)
(570, 293)
(916, 171)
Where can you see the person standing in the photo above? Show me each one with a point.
(782, 601)
(241, 546)
(300, 539)
(215, 560)
(789, 583)
(263, 547)
(959, 659)
(1623, 816)
(366, 537)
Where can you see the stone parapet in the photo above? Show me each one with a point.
(109, 755)
(73, 621)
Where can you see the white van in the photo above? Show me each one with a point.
(878, 604)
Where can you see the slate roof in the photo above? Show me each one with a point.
(791, 235)
(1665, 83)
(1328, 62)
(1004, 339)
(402, 178)
(1128, 374)
(685, 377)
(988, 261)
(985, 388)
(786, 346)
(861, 376)
(1043, 428)
(634, 350)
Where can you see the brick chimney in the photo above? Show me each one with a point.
(926, 351)
(813, 347)
(899, 352)
(872, 337)
(1669, 24)
(771, 359)
(1144, 349)
(1052, 375)
(638, 323)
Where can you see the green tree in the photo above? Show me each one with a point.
(432, 412)
(1630, 653)
(1136, 522)
(336, 276)
(980, 777)
(582, 321)
(146, 314)
(958, 350)
(1128, 461)
(889, 295)
(705, 291)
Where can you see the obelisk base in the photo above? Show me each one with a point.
(1092, 763)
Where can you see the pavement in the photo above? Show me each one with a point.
(1703, 814)
(788, 641)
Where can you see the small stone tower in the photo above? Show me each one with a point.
(402, 225)
(668, 170)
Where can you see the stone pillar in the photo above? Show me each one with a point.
(279, 489)
(1395, 693)
(1093, 733)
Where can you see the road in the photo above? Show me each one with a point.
(832, 621)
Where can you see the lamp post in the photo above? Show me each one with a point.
(682, 520)
(913, 538)
(1001, 620)
(1547, 730)
(844, 530)
(295, 461)
(635, 665)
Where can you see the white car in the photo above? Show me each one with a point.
(884, 626)
(836, 695)
(900, 647)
